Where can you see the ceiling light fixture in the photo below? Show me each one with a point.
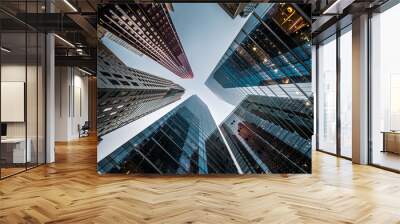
(65, 41)
(5, 50)
(70, 5)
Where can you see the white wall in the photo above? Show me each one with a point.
(61, 103)
(12, 73)
(17, 73)
(71, 103)
(33, 126)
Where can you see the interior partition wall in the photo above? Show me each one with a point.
(23, 84)
(334, 94)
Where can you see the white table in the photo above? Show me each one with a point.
(19, 154)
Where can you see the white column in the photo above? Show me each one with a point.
(50, 92)
(50, 100)
(360, 90)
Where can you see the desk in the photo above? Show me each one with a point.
(391, 141)
(13, 150)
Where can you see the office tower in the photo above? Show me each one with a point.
(266, 73)
(102, 33)
(271, 56)
(149, 29)
(270, 134)
(127, 94)
(122, 43)
(184, 141)
(241, 9)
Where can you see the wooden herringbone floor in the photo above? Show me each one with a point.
(70, 191)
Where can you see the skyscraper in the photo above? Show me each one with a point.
(270, 135)
(235, 9)
(149, 29)
(102, 33)
(127, 94)
(271, 56)
(266, 73)
(184, 141)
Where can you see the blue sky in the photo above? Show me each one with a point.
(206, 32)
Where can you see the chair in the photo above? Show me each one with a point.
(84, 130)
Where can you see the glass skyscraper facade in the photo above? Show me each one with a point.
(126, 94)
(184, 141)
(270, 135)
(271, 55)
(266, 74)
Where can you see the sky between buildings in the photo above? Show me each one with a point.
(206, 32)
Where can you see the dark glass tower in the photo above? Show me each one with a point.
(184, 141)
(266, 73)
(271, 135)
(271, 56)
(126, 94)
(149, 29)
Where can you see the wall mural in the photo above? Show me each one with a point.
(190, 88)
